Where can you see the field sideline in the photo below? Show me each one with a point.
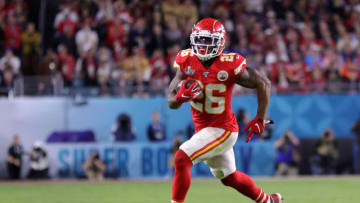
(295, 190)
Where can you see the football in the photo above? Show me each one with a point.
(188, 83)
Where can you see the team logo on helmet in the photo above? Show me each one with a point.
(222, 75)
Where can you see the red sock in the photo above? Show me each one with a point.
(246, 186)
(182, 177)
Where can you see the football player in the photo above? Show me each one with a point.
(205, 77)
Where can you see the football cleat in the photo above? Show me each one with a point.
(276, 198)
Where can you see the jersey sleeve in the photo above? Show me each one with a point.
(234, 63)
(239, 64)
(181, 58)
(177, 62)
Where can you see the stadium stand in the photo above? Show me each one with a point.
(126, 48)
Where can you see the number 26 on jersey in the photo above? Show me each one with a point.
(211, 104)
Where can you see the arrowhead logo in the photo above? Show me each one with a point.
(222, 75)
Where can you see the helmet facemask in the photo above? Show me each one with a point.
(205, 45)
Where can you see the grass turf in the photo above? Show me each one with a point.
(302, 190)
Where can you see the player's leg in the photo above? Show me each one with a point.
(223, 167)
(182, 176)
(195, 150)
(246, 186)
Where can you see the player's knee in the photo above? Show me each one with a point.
(219, 174)
(181, 160)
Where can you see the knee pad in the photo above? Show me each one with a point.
(181, 160)
(221, 173)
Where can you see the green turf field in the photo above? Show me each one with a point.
(318, 190)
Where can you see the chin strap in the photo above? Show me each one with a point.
(205, 59)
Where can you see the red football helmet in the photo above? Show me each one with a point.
(207, 38)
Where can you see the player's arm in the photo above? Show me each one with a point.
(172, 102)
(251, 78)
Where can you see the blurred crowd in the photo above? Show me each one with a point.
(125, 47)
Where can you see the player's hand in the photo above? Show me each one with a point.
(186, 94)
(257, 125)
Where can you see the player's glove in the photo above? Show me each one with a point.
(257, 125)
(186, 94)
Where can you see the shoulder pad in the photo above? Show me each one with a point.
(234, 61)
(181, 57)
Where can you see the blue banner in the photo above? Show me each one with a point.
(143, 161)
(36, 118)
(305, 115)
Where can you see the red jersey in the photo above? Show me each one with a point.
(213, 108)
